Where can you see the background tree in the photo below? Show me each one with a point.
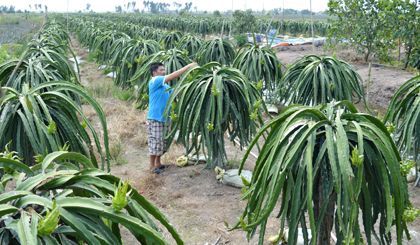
(363, 26)
(306, 12)
(177, 6)
(404, 16)
(187, 7)
(87, 6)
(242, 20)
(216, 13)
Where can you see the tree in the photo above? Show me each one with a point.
(303, 83)
(242, 20)
(306, 12)
(364, 23)
(329, 162)
(224, 101)
(290, 11)
(87, 6)
(216, 13)
(11, 9)
(177, 6)
(30, 7)
(405, 20)
(187, 7)
(118, 9)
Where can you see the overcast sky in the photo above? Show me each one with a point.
(222, 5)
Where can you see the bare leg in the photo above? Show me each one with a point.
(157, 162)
(152, 162)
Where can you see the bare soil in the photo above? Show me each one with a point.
(196, 204)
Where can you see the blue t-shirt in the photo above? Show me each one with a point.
(158, 98)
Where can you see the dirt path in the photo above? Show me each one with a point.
(196, 204)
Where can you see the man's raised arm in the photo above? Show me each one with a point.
(178, 73)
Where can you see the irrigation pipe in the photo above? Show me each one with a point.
(237, 142)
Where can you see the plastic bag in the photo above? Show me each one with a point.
(232, 178)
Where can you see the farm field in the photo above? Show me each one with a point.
(331, 135)
(191, 197)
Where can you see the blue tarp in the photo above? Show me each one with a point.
(271, 33)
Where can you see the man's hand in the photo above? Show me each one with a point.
(191, 65)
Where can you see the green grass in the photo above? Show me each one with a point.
(100, 90)
(117, 150)
(233, 162)
(9, 51)
(124, 95)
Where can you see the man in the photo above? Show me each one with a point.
(156, 121)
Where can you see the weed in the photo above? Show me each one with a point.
(193, 173)
(123, 95)
(233, 162)
(99, 90)
(117, 150)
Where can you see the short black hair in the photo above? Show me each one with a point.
(154, 67)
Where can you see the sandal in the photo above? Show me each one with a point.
(164, 166)
(157, 170)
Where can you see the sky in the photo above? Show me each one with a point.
(221, 5)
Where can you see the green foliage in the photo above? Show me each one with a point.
(213, 100)
(100, 90)
(46, 60)
(39, 121)
(305, 165)
(217, 50)
(242, 20)
(259, 64)
(403, 113)
(124, 95)
(414, 60)
(129, 57)
(56, 202)
(171, 39)
(241, 40)
(216, 13)
(365, 23)
(404, 16)
(103, 42)
(156, 35)
(9, 51)
(315, 80)
(191, 43)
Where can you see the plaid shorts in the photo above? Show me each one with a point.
(156, 141)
